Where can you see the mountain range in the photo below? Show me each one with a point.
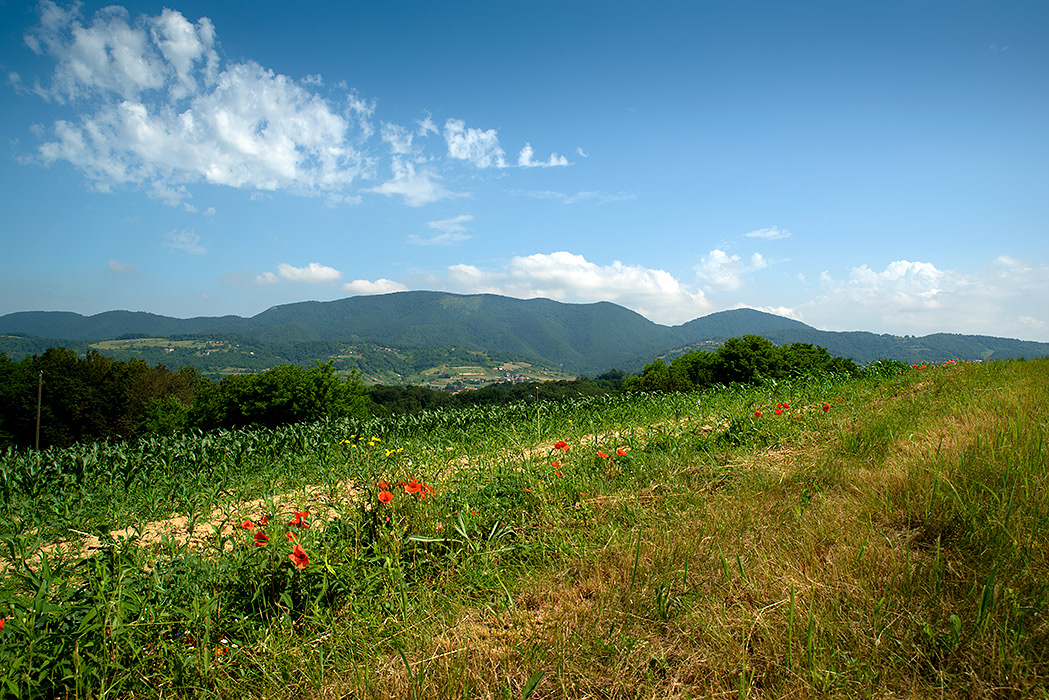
(580, 338)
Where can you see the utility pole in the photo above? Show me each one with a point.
(39, 395)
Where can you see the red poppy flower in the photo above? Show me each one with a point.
(383, 486)
(385, 496)
(602, 455)
(555, 465)
(291, 536)
(786, 405)
(778, 411)
(757, 414)
(826, 407)
(412, 486)
(300, 518)
(621, 451)
(2, 624)
(247, 525)
(425, 491)
(557, 473)
(299, 557)
(263, 520)
(560, 445)
(261, 540)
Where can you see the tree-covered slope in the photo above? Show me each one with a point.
(580, 338)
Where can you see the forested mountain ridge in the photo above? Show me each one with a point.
(580, 338)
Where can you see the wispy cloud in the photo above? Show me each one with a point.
(564, 198)
(451, 231)
(121, 268)
(416, 187)
(186, 241)
(769, 234)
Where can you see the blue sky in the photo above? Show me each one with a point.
(874, 166)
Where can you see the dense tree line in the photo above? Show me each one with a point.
(747, 360)
(92, 397)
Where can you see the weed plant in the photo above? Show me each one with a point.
(821, 537)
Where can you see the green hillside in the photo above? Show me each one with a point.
(574, 338)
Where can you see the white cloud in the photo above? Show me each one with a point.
(785, 311)
(581, 152)
(426, 126)
(453, 225)
(451, 231)
(600, 197)
(769, 234)
(526, 159)
(1005, 297)
(159, 110)
(314, 273)
(416, 187)
(186, 241)
(150, 103)
(564, 276)
(474, 145)
(397, 137)
(726, 271)
(379, 286)
(120, 268)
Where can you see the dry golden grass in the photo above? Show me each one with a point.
(804, 574)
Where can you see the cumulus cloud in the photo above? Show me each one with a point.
(314, 273)
(564, 276)
(785, 311)
(726, 271)
(186, 241)
(526, 159)
(769, 234)
(450, 231)
(1006, 296)
(152, 104)
(379, 286)
(474, 145)
(160, 110)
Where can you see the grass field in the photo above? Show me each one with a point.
(877, 537)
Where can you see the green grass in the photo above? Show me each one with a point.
(893, 545)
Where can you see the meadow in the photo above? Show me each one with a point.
(877, 536)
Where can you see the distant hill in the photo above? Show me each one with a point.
(580, 338)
